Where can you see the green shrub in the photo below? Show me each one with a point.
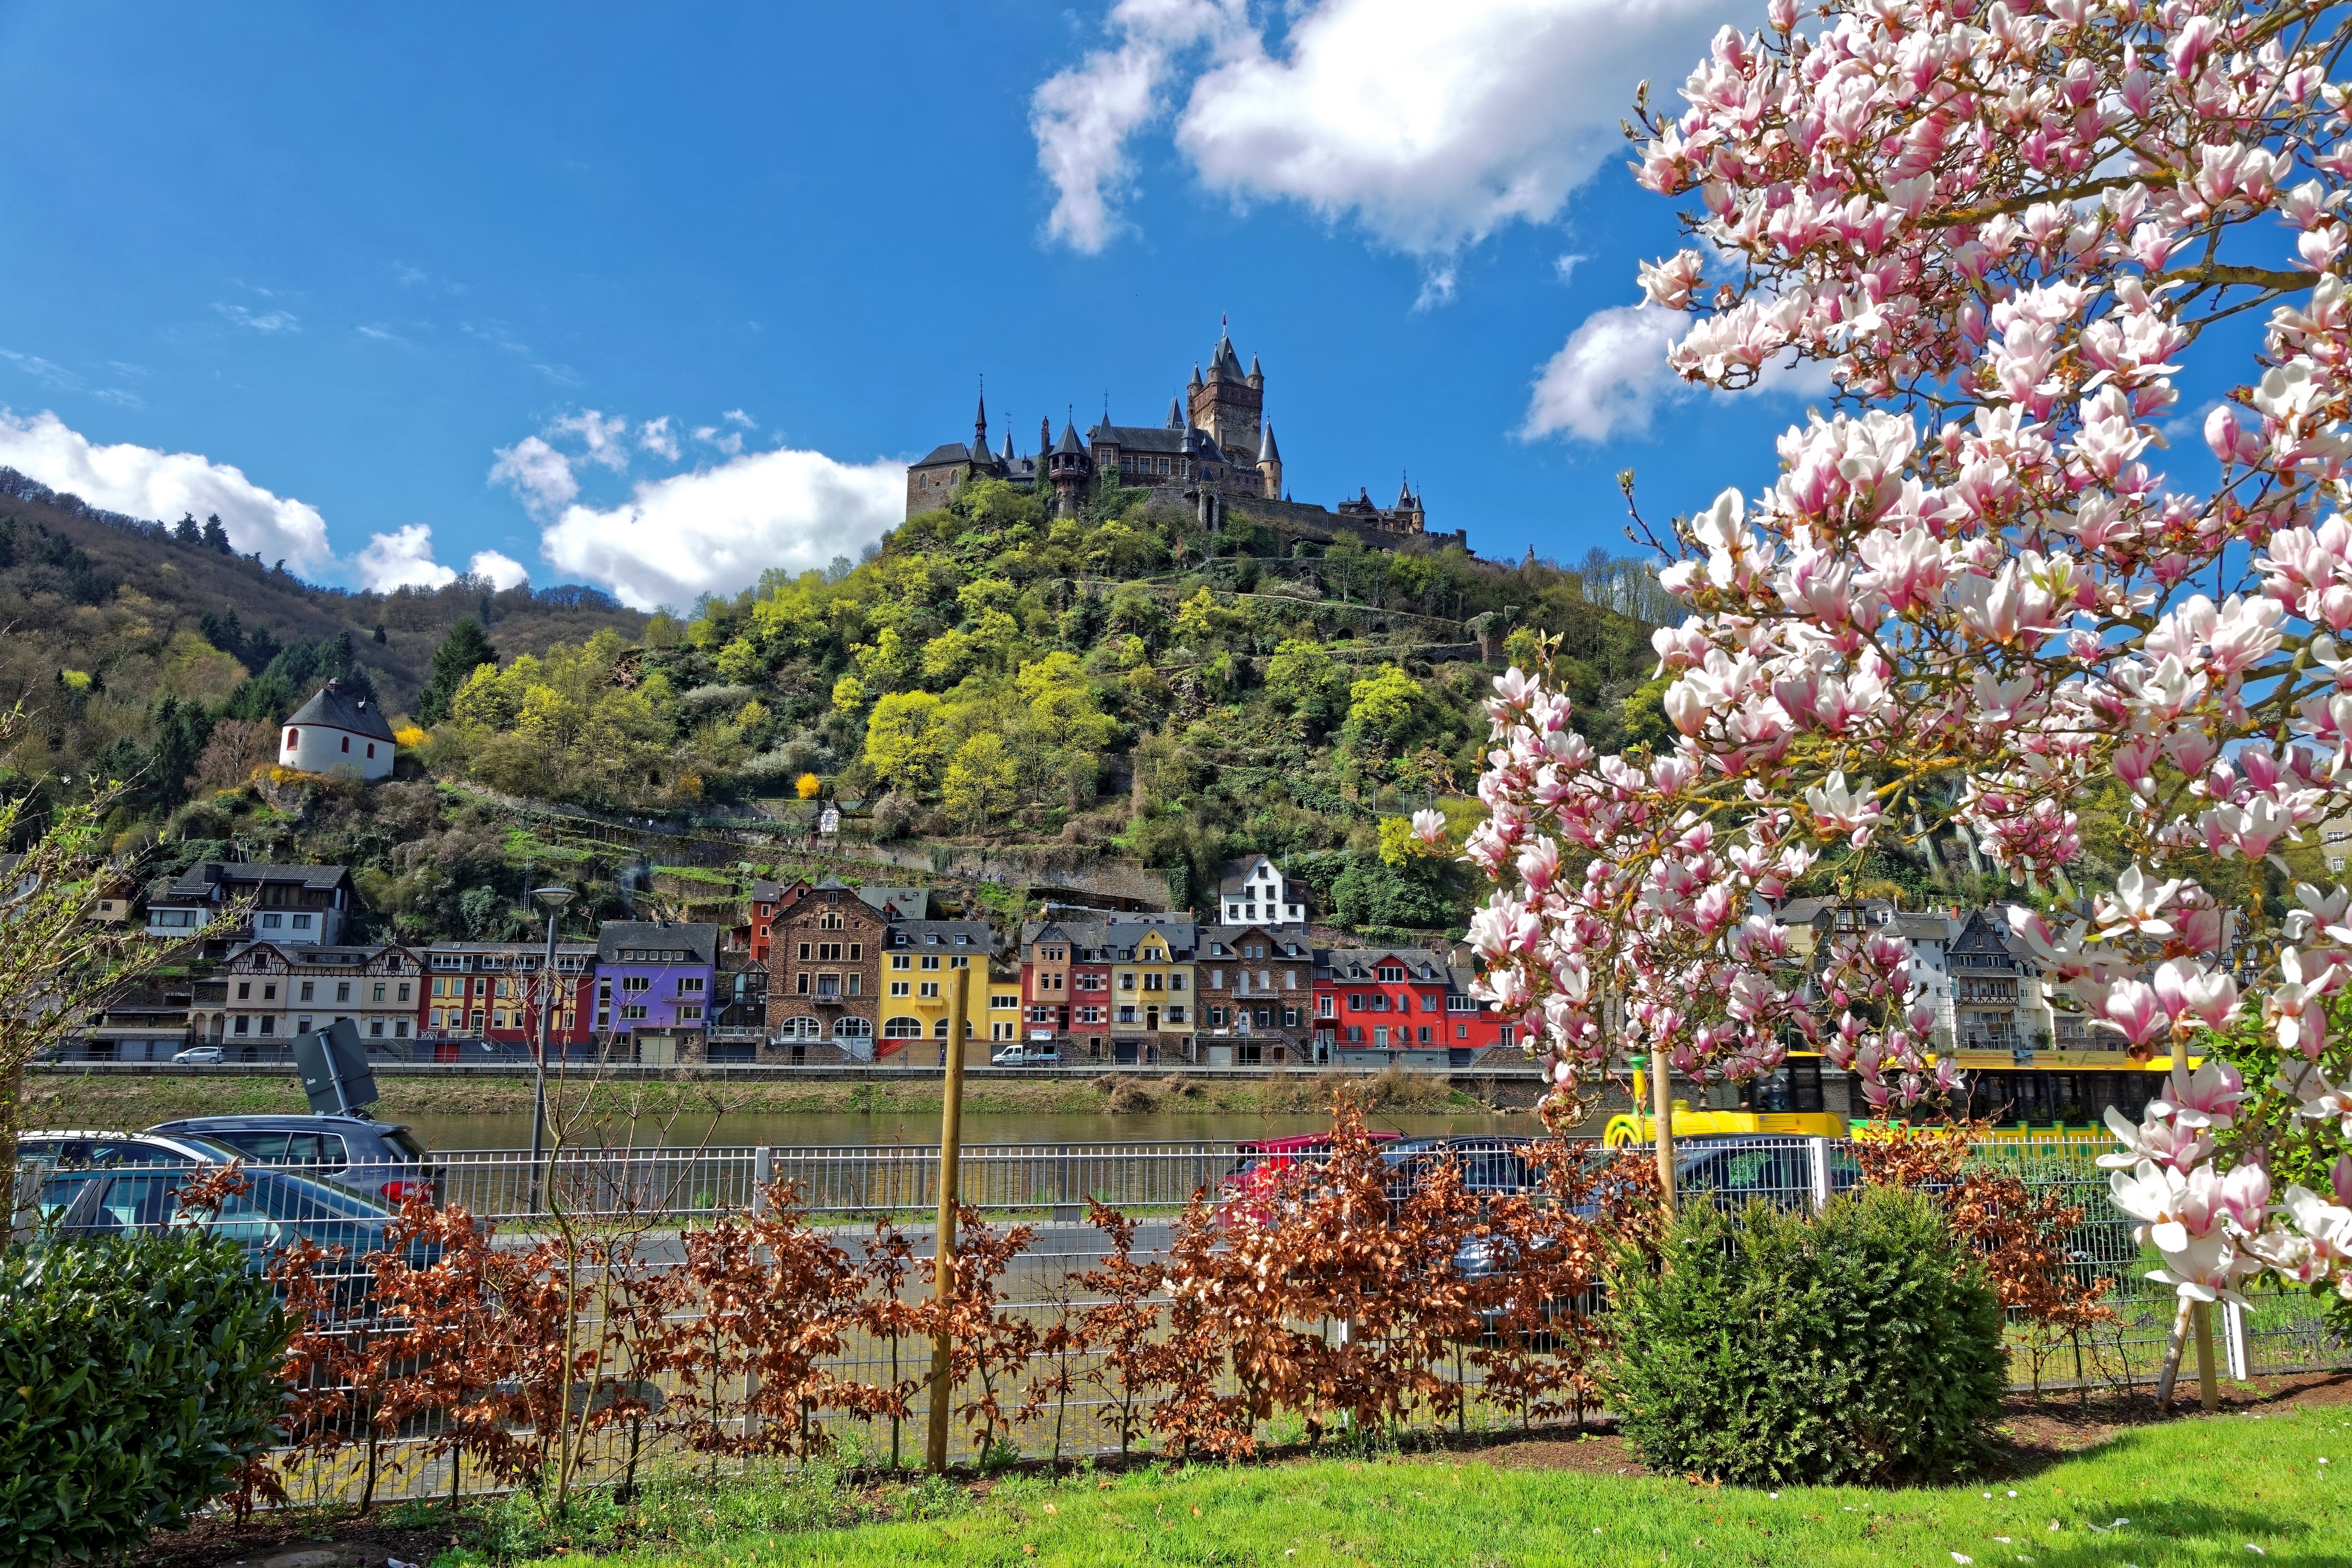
(1769, 1348)
(136, 1373)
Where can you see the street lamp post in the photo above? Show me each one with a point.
(554, 899)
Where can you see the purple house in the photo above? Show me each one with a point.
(653, 981)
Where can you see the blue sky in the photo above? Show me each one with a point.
(364, 258)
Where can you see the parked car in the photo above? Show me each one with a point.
(1026, 1057)
(61, 1161)
(1490, 1166)
(199, 1056)
(379, 1159)
(1250, 1184)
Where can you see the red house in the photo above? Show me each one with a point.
(491, 991)
(1406, 1005)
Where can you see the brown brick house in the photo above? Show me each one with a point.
(824, 970)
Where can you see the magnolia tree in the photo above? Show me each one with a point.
(1973, 601)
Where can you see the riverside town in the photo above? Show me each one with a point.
(709, 859)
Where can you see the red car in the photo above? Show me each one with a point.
(1252, 1181)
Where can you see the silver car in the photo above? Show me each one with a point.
(379, 1159)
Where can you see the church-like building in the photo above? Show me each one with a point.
(1214, 454)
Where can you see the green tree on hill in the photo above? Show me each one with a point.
(464, 650)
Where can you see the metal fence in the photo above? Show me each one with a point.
(662, 1193)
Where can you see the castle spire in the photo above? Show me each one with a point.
(1267, 452)
(1176, 413)
(980, 423)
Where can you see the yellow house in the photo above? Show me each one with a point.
(1151, 986)
(1003, 1005)
(920, 959)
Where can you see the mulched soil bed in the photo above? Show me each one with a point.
(2040, 1430)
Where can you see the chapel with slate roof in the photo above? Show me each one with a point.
(1214, 454)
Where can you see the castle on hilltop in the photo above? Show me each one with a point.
(1215, 455)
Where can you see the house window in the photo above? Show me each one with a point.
(930, 988)
(272, 922)
(301, 922)
(898, 987)
(306, 991)
(343, 990)
(375, 1026)
(631, 1014)
(379, 990)
(244, 989)
(689, 1013)
(901, 961)
(400, 1029)
(347, 742)
(293, 738)
(931, 961)
(242, 1023)
(404, 990)
(1381, 1035)
(269, 1026)
(689, 986)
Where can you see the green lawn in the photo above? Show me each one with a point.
(2195, 1491)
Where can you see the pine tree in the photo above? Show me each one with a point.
(216, 536)
(466, 648)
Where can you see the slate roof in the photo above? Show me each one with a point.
(954, 452)
(198, 880)
(900, 903)
(1420, 963)
(979, 936)
(340, 709)
(698, 940)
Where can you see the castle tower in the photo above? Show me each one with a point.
(1410, 518)
(1270, 464)
(979, 431)
(1071, 471)
(1230, 403)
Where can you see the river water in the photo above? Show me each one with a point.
(893, 1129)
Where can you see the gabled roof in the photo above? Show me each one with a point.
(1173, 439)
(1294, 935)
(1234, 873)
(898, 903)
(337, 708)
(978, 936)
(1361, 964)
(697, 940)
(954, 452)
(199, 880)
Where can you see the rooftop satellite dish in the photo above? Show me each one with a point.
(334, 1068)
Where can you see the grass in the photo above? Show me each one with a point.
(2192, 1491)
(67, 1097)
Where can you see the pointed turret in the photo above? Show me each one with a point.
(1256, 375)
(980, 430)
(1176, 413)
(1195, 384)
(1008, 446)
(1071, 471)
(1269, 463)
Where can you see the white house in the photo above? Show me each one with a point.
(1255, 892)
(337, 732)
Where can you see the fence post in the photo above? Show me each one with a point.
(1819, 1151)
(763, 1170)
(2234, 1343)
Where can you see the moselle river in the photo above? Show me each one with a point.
(893, 1129)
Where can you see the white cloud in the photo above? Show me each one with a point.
(540, 474)
(401, 559)
(144, 482)
(657, 436)
(1083, 117)
(715, 530)
(260, 321)
(1432, 125)
(730, 443)
(1566, 265)
(1436, 288)
(503, 571)
(1610, 376)
(737, 416)
(607, 439)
